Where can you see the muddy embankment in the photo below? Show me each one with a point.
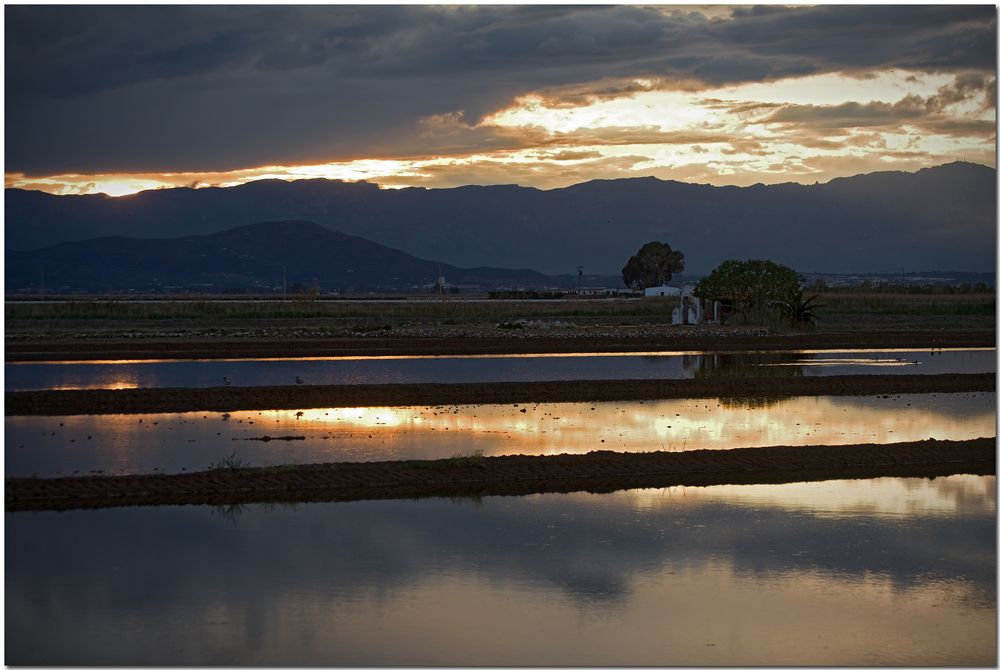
(599, 471)
(586, 340)
(228, 399)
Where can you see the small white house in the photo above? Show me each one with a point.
(692, 311)
(661, 291)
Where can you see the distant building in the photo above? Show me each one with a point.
(601, 291)
(661, 291)
(442, 287)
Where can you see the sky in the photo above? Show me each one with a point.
(117, 99)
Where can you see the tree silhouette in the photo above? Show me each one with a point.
(752, 287)
(653, 265)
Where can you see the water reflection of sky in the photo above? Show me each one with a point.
(498, 368)
(191, 441)
(737, 575)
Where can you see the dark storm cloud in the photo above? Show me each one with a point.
(935, 38)
(116, 88)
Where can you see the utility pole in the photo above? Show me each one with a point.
(41, 291)
(284, 282)
(579, 279)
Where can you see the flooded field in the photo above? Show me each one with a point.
(860, 572)
(120, 444)
(493, 368)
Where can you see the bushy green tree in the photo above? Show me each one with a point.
(653, 265)
(751, 287)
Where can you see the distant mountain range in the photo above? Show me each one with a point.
(261, 258)
(941, 217)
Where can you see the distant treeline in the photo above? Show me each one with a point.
(525, 295)
(820, 286)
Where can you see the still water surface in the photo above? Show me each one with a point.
(129, 443)
(860, 572)
(499, 368)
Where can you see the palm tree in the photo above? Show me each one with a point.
(798, 309)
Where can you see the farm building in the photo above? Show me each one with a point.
(660, 291)
(694, 310)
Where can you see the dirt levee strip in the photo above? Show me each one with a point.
(596, 471)
(228, 399)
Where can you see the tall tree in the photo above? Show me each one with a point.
(751, 286)
(654, 264)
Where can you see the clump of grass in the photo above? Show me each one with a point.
(232, 462)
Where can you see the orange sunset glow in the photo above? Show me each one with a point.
(737, 135)
(810, 124)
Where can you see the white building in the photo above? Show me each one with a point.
(661, 291)
(601, 290)
(693, 311)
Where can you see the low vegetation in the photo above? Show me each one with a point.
(232, 462)
(834, 310)
(380, 314)
(850, 302)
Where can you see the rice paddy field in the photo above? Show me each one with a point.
(335, 482)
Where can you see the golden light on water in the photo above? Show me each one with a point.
(357, 417)
(671, 425)
(882, 496)
(192, 440)
(692, 611)
(120, 383)
(110, 386)
(876, 360)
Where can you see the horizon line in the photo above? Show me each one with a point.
(10, 185)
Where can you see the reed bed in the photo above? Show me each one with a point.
(457, 310)
(908, 304)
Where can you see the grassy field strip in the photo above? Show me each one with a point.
(834, 305)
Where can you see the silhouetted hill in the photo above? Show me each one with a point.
(247, 257)
(886, 221)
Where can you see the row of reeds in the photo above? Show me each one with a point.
(459, 310)
(456, 310)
